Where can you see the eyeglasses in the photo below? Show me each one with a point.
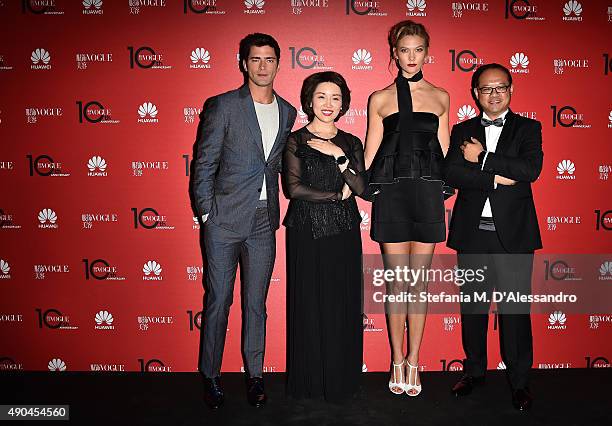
(488, 90)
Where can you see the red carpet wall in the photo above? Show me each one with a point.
(100, 264)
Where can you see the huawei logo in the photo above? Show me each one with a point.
(519, 59)
(572, 7)
(604, 269)
(47, 215)
(365, 217)
(104, 317)
(557, 318)
(96, 163)
(147, 109)
(362, 56)
(4, 267)
(56, 364)
(152, 267)
(88, 4)
(416, 4)
(466, 112)
(501, 365)
(257, 3)
(566, 169)
(40, 55)
(200, 55)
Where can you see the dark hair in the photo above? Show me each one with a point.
(310, 84)
(403, 29)
(482, 69)
(259, 40)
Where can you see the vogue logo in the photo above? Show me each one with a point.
(604, 220)
(138, 167)
(153, 366)
(459, 8)
(561, 65)
(452, 365)
(8, 364)
(364, 7)
(191, 113)
(567, 116)
(40, 271)
(83, 59)
(307, 58)
(202, 7)
(145, 57)
(522, 9)
(107, 367)
(94, 112)
(553, 221)
(100, 269)
(135, 5)
(89, 219)
(145, 321)
(465, 60)
(53, 319)
(33, 114)
(193, 272)
(40, 7)
(597, 362)
(149, 218)
(195, 320)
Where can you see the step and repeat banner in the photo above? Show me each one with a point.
(100, 260)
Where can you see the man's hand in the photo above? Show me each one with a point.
(346, 192)
(471, 149)
(500, 180)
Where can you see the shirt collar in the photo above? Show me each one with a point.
(502, 116)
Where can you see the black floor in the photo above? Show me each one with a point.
(562, 397)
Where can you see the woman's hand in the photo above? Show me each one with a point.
(346, 192)
(326, 147)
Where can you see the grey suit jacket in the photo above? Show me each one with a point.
(230, 164)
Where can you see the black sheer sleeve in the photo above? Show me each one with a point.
(293, 186)
(355, 175)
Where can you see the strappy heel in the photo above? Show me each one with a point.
(409, 386)
(395, 384)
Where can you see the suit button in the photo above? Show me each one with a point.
(259, 190)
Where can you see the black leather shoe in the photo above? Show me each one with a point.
(521, 399)
(466, 384)
(255, 392)
(213, 392)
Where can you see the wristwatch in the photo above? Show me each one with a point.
(341, 160)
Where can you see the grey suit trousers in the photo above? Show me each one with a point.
(256, 254)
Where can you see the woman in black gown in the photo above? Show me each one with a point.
(406, 142)
(322, 166)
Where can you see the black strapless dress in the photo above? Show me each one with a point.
(409, 205)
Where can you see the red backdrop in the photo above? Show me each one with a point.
(84, 239)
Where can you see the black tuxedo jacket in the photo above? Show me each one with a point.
(518, 156)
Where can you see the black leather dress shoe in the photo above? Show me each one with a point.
(213, 392)
(521, 399)
(255, 392)
(466, 384)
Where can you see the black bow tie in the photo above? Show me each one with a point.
(498, 122)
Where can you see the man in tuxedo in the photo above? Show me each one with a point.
(492, 161)
(235, 187)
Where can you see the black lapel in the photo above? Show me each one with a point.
(248, 109)
(504, 138)
(479, 131)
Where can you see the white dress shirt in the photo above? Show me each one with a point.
(492, 134)
(267, 116)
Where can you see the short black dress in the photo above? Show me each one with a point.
(406, 178)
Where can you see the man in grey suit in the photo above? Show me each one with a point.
(235, 186)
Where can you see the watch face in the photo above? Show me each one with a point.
(341, 160)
